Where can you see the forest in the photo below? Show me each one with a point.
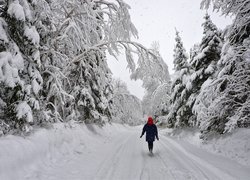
(53, 68)
(64, 115)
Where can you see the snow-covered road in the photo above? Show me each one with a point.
(123, 155)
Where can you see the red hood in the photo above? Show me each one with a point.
(150, 121)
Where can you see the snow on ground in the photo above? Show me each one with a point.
(235, 146)
(77, 152)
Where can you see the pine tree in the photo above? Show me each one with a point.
(204, 63)
(21, 80)
(53, 60)
(91, 87)
(179, 113)
(223, 103)
(209, 49)
(240, 28)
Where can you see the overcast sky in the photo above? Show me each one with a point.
(156, 20)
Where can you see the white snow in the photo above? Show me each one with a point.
(3, 35)
(27, 10)
(17, 61)
(35, 86)
(235, 145)
(34, 103)
(16, 10)
(36, 56)
(75, 152)
(24, 111)
(32, 34)
(8, 69)
(210, 69)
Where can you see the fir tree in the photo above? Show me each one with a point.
(53, 94)
(179, 113)
(91, 87)
(223, 103)
(204, 63)
(21, 80)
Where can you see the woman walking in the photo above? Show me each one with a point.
(151, 133)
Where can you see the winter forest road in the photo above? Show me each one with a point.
(125, 157)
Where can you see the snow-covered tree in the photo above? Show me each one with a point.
(204, 63)
(53, 93)
(179, 112)
(20, 78)
(239, 29)
(90, 85)
(223, 103)
(53, 53)
(160, 99)
(90, 28)
(209, 49)
(156, 80)
(194, 51)
(125, 107)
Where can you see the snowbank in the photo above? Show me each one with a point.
(19, 155)
(235, 146)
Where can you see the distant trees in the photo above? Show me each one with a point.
(125, 108)
(156, 80)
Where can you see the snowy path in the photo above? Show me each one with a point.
(124, 155)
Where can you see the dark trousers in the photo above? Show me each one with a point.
(150, 145)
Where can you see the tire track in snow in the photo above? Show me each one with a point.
(198, 162)
(107, 166)
(166, 166)
(184, 166)
(153, 167)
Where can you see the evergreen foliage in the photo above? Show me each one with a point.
(204, 63)
(223, 102)
(21, 79)
(180, 113)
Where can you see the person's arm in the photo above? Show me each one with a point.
(143, 131)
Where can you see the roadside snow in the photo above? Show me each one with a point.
(21, 155)
(235, 146)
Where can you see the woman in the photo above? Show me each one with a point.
(151, 133)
